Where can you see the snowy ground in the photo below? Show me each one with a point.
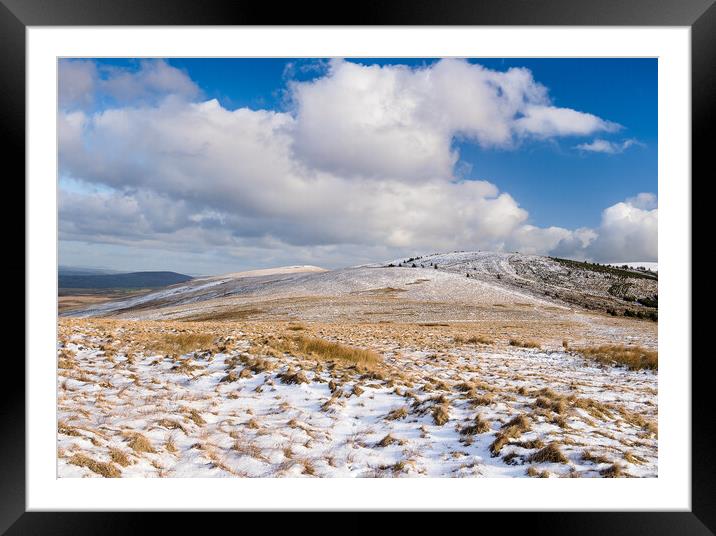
(231, 408)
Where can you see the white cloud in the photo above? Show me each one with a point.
(82, 83)
(362, 164)
(396, 121)
(629, 230)
(608, 147)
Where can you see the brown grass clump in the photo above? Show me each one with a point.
(535, 473)
(614, 471)
(475, 339)
(633, 357)
(387, 441)
(558, 405)
(66, 363)
(64, 428)
(292, 377)
(524, 344)
(296, 327)
(139, 443)
(397, 414)
(314, 347)
(514, 428)
(230, 377)
(441, 414)
(633, 458)
(194, 416)
(252, 450)
(119, 457)
(107, 470)
(170, 424)
(180, 343)
(478, 426)
(588, 456)
(253, 424)
(549, 454)
(531, 444)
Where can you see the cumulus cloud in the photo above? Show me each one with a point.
(82, 84)
(628, 231)
(397, 121)
(362, 163)
(608, 147)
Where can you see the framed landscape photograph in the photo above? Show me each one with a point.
(413, 264)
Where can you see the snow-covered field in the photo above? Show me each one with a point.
(476, 368)
(240, 405)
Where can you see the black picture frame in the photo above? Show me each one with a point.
(699, 15)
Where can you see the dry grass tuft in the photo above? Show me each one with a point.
(524, 344)
(180, 343)
(196, 417)
(387, 441)
(230, 377)
(614, 471)
(549, 454)
(588, 456)
(397, 414)
(512, 429)
(107, 470)
(441, 414)
(475, 339)
(633, 357)
(292, 377)
(119, 457)
(535, 473)
(318, 348)
(633, 458)
(139, 443)
(64, 428)
(170, 424)
(478, 426)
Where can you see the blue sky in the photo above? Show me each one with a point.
(554, 181)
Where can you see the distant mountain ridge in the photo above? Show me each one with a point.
(122, 280)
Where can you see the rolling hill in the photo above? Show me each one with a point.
(452, 286)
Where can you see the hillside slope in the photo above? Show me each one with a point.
(442, 286)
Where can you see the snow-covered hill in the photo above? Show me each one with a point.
(464, 278)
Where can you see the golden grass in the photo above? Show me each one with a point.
(512, 429)
(139, 443)
(119, 457)
(524, 343)
(387, 441)
(475, 339)
(588, 456)
(614, 471)
(534, 473)
(441, 414)
(397, 414)
(107, 470)
(322, 349)
(633, 357)
(549, 454)
(478, 426)
(180, 343)
(291, 377)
